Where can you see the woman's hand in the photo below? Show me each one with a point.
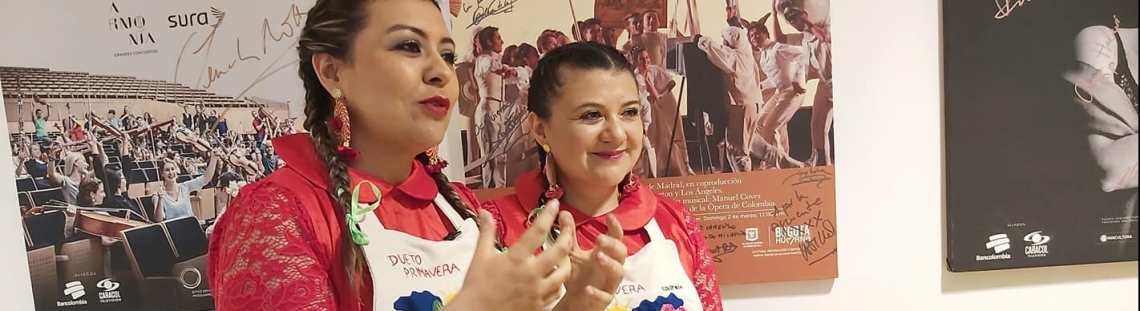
(597, 273)
(518, 279)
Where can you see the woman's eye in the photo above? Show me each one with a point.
(631, 112)
(592, 115)
(410, 46)
(450, 58)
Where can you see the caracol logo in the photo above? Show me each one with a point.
(107, 285)
(110, 291)
(999, 243)
(75, 290)
(1037, 246)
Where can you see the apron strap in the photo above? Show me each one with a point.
(442, 205)
(448, 210)
(654, 231)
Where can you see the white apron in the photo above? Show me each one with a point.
(413, 274)
(654, 278)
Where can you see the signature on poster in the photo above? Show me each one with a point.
(288, 28)
(723, 249)
(813, 175)
(1006, 7)
(487, 8)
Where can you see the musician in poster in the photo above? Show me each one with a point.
(108, 193)
(1052, 107)
(748, 214)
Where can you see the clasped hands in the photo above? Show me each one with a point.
(522, 279)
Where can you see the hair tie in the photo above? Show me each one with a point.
(357, 211)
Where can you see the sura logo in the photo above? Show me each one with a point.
(195, 19)
(76, 291)
(999, 243)
(1037, 246)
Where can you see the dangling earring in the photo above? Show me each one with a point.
(554, 191)
(435, 162)
(340, 127)
(630, 184)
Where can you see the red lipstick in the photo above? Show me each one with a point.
(437, 105)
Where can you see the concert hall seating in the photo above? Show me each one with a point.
(169, 259)
(47, 83)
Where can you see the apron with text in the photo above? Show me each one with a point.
(654, 279)
(413, 274)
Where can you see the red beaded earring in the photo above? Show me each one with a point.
(340, 127)
(436, 163)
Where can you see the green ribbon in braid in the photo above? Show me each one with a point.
(358, 210)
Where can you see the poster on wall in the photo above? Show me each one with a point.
(1041, 124)
(114, 118)
(740, 131)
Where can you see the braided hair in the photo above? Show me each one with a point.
(330, 28)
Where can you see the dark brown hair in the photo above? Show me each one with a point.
(330, 28)
(549, 77)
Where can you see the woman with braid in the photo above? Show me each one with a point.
(362, 218)
(585, 114)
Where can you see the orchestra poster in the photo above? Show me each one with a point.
(118, 109)
(763, 191)
(1041, 133)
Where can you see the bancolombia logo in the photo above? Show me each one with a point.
(194, 19)
(133, 25)
(999, 243)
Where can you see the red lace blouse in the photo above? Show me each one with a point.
(634, 212)
(277, 246)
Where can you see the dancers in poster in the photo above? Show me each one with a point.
(815, 32)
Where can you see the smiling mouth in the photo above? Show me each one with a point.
(609, 155)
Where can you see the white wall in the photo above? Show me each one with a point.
(890, 193)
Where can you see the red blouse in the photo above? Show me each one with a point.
(633, 212)
(278, 244)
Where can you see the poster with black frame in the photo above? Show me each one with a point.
(1040, 132)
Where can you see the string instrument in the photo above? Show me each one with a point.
(20, 102)
(246, 167)
(111, 130)
(268, 120)
(98, 221)
(186, 137)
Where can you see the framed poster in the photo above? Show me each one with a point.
(1041, 123)
(98, 108)
(769, 205)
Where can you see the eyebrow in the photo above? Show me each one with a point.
(417, 31)
(600, 106)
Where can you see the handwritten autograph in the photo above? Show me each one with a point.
(291, 22)
(491, 8)
(816, 175)
(1006, 7)
(723, 249)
